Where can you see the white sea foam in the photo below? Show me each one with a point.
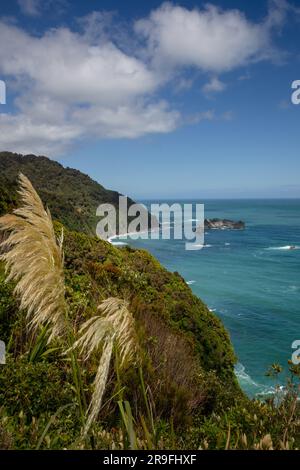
(280, 390)
(243, 377)
(124, 236)
(190, 282)
(284, 248)
(119, 243)
(255, 389)
(293, 288)
(200, 245)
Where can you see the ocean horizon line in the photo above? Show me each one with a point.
(177, 198)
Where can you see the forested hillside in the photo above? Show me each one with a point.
(71, 196)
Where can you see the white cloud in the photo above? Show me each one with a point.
(213, 86)
(244, 76)
(30, 7)
(20, 133)
(208, 115)
(36, 8)
(48, 130)
(63, 64)
(73, 86)
(71, 89)
(128, 121)
(182, 84)
(211, 39)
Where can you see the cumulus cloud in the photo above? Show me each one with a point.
(129, 121)
(213, 86)
(74, 85)
(62, 64)
(211, 39)
(45, 130)
(21, 133)
(73, 89)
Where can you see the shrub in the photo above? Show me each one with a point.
(33, 388)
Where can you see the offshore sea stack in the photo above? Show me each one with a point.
(223, 224)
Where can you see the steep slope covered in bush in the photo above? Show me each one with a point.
(71, 196)
(184, 345)
(182, 391)
(186, 355)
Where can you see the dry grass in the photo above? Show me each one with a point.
(114, 327)
(34, 260)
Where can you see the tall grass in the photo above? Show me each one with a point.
(113, 328)
(34, 260)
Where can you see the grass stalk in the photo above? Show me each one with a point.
(127, 418)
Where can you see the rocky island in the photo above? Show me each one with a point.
(223, 224)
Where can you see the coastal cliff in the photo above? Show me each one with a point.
(181, 393)
(187, 358)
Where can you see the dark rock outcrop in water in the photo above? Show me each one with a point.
(222, 224)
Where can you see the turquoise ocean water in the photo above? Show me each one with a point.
(249, 278)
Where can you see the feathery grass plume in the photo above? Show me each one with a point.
(34, 259)
(114, 327)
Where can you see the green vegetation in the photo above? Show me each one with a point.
(181, 392)
(71, 196)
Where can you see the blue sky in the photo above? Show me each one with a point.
(161, 100)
